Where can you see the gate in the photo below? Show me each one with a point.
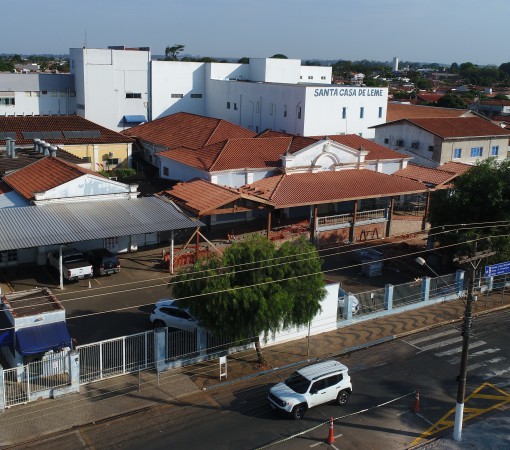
(22, 384)
(115, 357)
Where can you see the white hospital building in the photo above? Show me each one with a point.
(120, 87)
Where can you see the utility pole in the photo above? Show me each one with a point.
(474, 262)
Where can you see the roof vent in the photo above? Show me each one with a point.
(46, 148)
(53, 151)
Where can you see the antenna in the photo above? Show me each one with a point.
(85, 40)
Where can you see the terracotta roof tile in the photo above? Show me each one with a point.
(460, 127)
(427, 175)
(23, 124)
(397, 111)
(187, 130)
(375, 151)
(233, 154)
(455, 167)
(44, 174)
(327, 187)
(200, 196)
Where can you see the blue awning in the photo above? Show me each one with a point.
(40, 339)
(134, 119)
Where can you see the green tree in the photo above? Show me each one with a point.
(279, 56)
(254, 289)
(451, 101)
(171, 53)
(480, 196)
(244, 60)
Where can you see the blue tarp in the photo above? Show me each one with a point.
(135, 119)
(40, 339)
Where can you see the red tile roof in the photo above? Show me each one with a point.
(460, 127)
(431, 98)
(328, 187)
(200, 196)
(427, 175)
(24, 124)
(397, 111)
(43, 175)
(233, 154)
(187, 130)
(297, 142)
(375, 151)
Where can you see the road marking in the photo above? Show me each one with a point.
(442, 343)
(474, 366)
(499, 396)
(452, 351)
(483, 352)
(497, 373)
(435, 336)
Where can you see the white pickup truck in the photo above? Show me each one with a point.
(74, 265)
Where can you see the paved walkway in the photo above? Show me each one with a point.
(117, 396)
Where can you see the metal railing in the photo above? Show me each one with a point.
(374, 214)
(339, 219)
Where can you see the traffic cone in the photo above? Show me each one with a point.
(416, 406)
(331, 435)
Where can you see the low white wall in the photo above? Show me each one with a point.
(324, 321)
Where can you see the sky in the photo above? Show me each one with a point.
(439, 31)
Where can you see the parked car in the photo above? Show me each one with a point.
(342, 296)
(310, 386)
(74, 265)
(103, 261)
(168, 313)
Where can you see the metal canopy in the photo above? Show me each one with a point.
(60, 223)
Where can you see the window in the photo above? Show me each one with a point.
(196, 95)
(361, 112)
(228, 105)
(344, 112)
(415, 144)
(299, 112)
(323, 77)
(133, 95)
(112, 161)
(44, 92)
(177, 96)
(54, 93)
(36, 94)
(400, 143)
(9, 256)
(310, 77)
(86, 159)
(235, 106)
(165, 171)
(495, 150)
(7, 101)
(28, 94)
(476, 152)
(457, 153)
(431, 148)
(271, 108)
(284, 110)
(386, 141)
(380, 112)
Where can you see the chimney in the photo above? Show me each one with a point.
(53, 151)
(46, 148)
(13, 148)
(8, 147)
(36, 142)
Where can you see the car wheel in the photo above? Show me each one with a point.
(342, 397)
(298, 412)
(158, 324)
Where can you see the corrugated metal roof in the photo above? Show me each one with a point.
(34, 226)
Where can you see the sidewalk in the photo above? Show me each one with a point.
(122, 395)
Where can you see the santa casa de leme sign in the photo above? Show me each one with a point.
(348, 92)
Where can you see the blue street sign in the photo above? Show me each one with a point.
(497, 269)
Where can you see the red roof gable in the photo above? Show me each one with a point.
(187, 130)
(460, 127)
(375, 151)
(328, 187)
(44, 174)
(397, 111)
(61, 127)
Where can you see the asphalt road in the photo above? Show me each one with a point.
(238, 416)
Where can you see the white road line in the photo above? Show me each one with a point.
(496, 373)
(435, 336)
(442, 343)
(474, 367)
(484, 352)
(452, 351)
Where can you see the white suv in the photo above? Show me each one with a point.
(167, 313)
(312, 385)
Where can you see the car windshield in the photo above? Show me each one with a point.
(298, 383)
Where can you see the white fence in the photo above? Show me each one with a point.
(115, 357)
(27, 383)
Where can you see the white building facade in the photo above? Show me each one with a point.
(112, 85)
(28, 94)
